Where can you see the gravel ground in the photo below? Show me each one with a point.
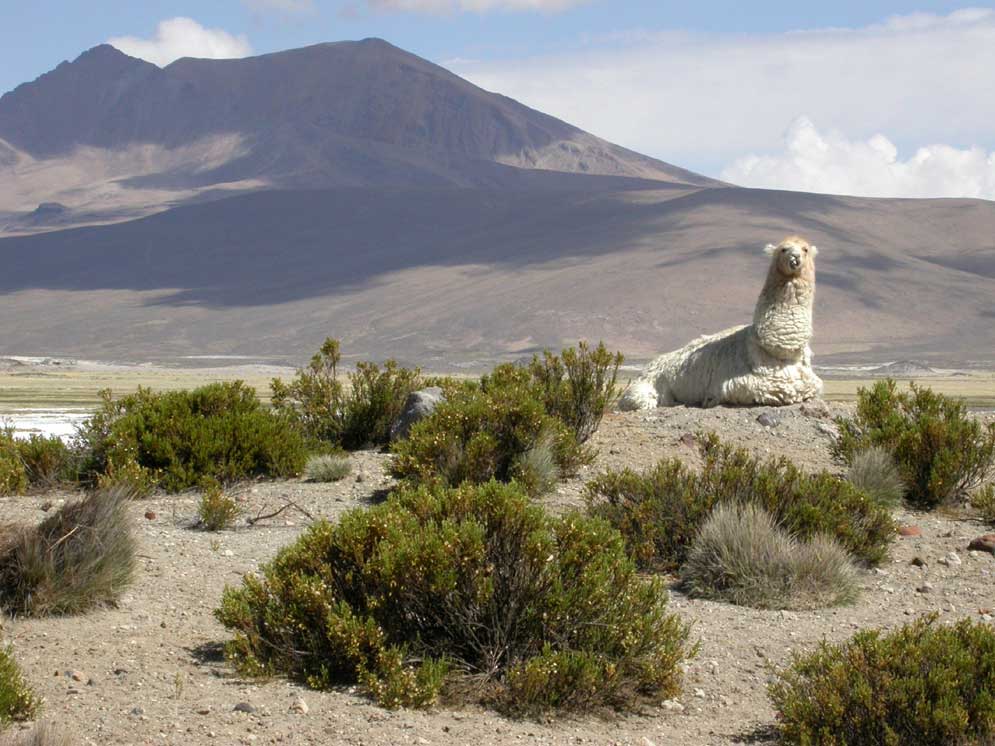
(150, 671)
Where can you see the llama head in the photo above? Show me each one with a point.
(793, 257)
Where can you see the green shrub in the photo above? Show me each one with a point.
(579, 386)
(325, 413)
(472, 592)
(481, 432)
(48, 461)
(17, 702)
(13, 477)
(328, 467)
(376, 398)
(941, 451)
(81, 556)
(874, 471)
(742, 557)
(176, 439)
(660, 512)
(216, 511)
(984, 502)
(925, 684)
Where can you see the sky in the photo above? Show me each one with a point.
(870, 98)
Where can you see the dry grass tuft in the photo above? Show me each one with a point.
(874, 471)
(327, 468)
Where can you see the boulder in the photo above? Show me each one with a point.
(419, 405)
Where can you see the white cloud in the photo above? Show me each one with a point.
(813, 161)
(704, 100)
(473, 6)
(280, 6)
(183, 37)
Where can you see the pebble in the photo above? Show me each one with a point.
(984, 543)
(150, 515)
(769, 419)
(699, 693)
(299, 706)
(951, 559)
(826, 429)
(918, 562)
(244, 707)
(909, 531)
(672, 705)
(925, 588)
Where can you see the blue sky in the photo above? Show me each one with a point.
(859, 97)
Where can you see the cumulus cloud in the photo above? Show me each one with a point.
(183, 37)
(473, 6)
(813, 161)
(703, 101)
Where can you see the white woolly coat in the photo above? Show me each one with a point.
(768, 362)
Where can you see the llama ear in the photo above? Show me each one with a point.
(769, 249)
(813, 249)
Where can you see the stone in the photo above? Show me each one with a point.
(150, 515)
(984, 543)
(827, 429)
(672, 705)
(244, 707)
(909, 531)
(951, 559)
(925, 588)
(419, 405)
(769, 419)
(299, 706)
(699, 693)
(918, 562)
(816, 408)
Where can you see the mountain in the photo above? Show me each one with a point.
(109, 133)
(254, 207)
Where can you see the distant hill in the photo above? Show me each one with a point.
(256, 206)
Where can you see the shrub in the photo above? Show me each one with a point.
(176, 439)
(81, 556)
(327, 468)
(741, 556)
(472, 592)
(216, 510)
(924, 684)
(941, 451)
(536, 469)
(325, 413)
(376, 399)
(481, 432)
(984, 502)
(874, 471)
(48, 461)
(579, 386)
(17, 702)
(660, 512)
(13, 477)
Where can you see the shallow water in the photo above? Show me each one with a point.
(45, 421)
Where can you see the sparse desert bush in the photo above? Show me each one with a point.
(481, 432)
(742, 557)
(48, 461)
(874, 471)
(376, 398)
(81, 556)
(177, 438)
(13, 477)
(216, 511)
(578, 386)
(925, 684)
(329, 467)
(470, 592)
(325, 412)
(984, 502)
(660, 512)
(17, 701)
(941, 451)
(42, 734)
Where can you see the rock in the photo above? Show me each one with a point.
(418, 406)
(203, 710)
(769, 419)
(918, 562)
(137, 711)
(827, 429)
(951, 559)
(688, 440)
(925, 588)
(699, 693)
(909, 531)
(76, 675)
(150, 515)
(984, 543)
(299, 706)
(244, 707)
(672, 705)
(817, 408)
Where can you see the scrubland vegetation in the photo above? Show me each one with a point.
(461, 587)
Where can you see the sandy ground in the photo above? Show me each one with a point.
(150, 670)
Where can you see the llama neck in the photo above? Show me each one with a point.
(783, 316)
